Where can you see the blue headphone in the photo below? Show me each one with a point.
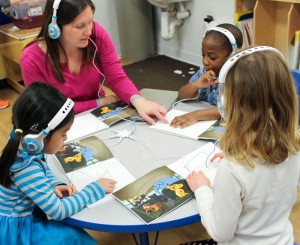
(53, 29)
(34, 143)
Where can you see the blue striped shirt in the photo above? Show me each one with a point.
(33, 184)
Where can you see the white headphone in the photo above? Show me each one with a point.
(53, 29)
(228, 34)
(227, 66)
(34, 143)
(231, 61)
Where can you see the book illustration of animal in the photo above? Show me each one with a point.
(177, 188)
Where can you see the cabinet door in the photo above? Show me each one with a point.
(275, 23)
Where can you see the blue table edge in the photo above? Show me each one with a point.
(133, 228)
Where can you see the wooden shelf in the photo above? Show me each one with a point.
(275, 21)
(244, 5)
(12, 42)
(16, 82)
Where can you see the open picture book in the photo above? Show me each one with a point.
(163, 189)
(89, 159)
(193, 131)
(115, 112)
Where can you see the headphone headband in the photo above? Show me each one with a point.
(34, 143)
(230, 62)
(227, 33)
(56, 5)
(60, 115)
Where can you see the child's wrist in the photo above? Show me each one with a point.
(198, 85)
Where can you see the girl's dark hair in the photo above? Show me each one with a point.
(67, 11)
(35, 107)
(235, 31)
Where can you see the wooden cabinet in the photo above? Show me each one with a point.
(12, 43)
(275, 21)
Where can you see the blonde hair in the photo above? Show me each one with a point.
(261, 108)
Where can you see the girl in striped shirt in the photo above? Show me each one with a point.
(41, 117)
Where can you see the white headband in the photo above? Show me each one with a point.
(228, 34)
(230, 62)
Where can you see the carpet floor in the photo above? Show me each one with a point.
(160, 72)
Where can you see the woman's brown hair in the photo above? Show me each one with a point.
(67, 11)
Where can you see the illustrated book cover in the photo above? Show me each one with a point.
(155, 194)
(89, 159)
(214, 132)
(193, 131)
(115, 112)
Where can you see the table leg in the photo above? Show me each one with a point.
(144, 239)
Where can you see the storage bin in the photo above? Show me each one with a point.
(28, 14)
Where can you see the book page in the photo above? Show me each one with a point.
(192, 131)
(85, 124)
(198, 160)
(112, 169)
(89, 159)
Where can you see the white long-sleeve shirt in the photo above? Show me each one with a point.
(251, 205)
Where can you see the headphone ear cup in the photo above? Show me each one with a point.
(33, 143)
(54, 31)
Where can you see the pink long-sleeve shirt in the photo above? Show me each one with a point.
(82, 88)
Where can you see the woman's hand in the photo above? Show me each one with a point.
(64, 190)
(106, 184)
(196, 180)
(147, 108)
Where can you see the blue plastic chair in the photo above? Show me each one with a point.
(296, 76)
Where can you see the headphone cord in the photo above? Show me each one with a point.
(189, 99)
(94, 57)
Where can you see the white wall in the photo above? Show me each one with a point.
(186, 44)
(105, 15)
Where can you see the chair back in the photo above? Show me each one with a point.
(296, 76)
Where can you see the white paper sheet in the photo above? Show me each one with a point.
(198, 160)
(192, 131)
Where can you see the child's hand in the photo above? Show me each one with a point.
(64, 190)
(107, 184)
(184, 120)
(207, 79)
(219, 155)
(196, 180)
